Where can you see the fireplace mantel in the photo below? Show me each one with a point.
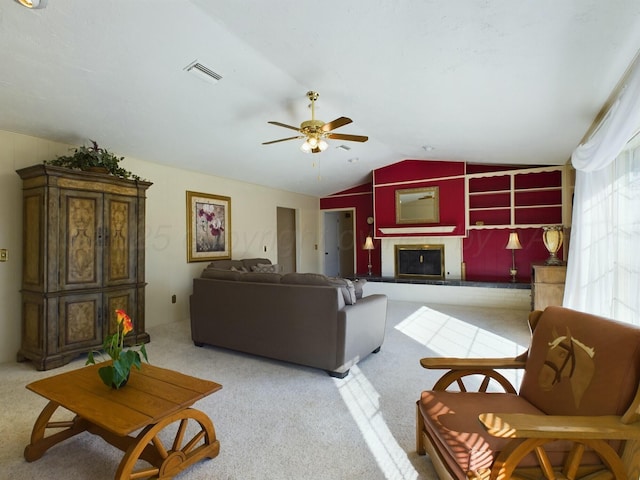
(417, 230)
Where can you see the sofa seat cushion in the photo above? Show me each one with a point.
(451, 420)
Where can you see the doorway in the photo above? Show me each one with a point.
(286, 226)
(339, 252)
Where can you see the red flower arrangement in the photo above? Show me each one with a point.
(117, 374)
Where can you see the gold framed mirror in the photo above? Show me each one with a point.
(418, 205)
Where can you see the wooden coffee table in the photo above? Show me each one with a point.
(155, 401)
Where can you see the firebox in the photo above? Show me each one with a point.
(420, 261)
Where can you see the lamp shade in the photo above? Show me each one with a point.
(368, 243)
(514, 242)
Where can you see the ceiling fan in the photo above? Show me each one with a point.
(316, 131)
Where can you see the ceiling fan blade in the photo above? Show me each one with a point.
(338, 122)
(285, 125)
(282, 140)
(350, 138)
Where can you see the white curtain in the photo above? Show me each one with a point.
(603, 270)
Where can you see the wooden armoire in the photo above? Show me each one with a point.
(83, 258)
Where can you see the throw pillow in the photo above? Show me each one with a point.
(265, 268)
(346, 288)
(358, 284)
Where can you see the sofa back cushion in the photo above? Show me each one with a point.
(226, 264)
(305, 279)
(260, 277)
(581, 364)
(248, 263)
(221, 274)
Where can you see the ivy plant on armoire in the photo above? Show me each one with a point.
(83, 258)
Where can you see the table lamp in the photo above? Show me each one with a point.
(368, 245)
(552, 236)
(513, 244)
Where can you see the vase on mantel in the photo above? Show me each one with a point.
(552, 236)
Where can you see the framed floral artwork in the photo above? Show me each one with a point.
(208, 227)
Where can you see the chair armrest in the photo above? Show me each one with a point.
(516, 425)
(460, 369)
(440, 363)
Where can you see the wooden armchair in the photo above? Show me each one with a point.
(576, 415)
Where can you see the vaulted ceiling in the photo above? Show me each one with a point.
(513, 82)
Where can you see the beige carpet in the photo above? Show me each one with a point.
(281, 421)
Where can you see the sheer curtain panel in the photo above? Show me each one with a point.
(603, 269)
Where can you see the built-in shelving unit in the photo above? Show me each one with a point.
(527, 198)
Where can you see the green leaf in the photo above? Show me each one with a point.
(144, 353)
(106, 374)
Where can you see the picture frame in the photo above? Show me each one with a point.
(418, 205)
(208, 227)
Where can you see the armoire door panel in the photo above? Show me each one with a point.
(81, 229)
(80, 321)
(119, 300)
(33, 240)
(120, 240)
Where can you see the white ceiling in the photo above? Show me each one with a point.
(504, 81)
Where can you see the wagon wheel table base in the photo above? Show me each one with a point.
(155, 403)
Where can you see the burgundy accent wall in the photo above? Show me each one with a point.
(487, 259)
(359, 198)
(447, 176)
(411, 170)
(484, 252)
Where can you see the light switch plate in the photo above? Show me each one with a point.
(4, 253)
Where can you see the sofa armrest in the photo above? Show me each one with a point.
(516, 425)
(361, 329)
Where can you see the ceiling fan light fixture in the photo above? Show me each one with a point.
(312, 141)
(33, 3)
(315, 132)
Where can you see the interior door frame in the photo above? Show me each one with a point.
(352, 211)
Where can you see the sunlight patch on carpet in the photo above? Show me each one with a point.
(448, 336)
(362, 400)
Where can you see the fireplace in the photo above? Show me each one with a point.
(420, 261)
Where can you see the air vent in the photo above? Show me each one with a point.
(203, 72)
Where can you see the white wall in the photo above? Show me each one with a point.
(253, 226)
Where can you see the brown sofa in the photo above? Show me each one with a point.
(576, 414)
(301, 318)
